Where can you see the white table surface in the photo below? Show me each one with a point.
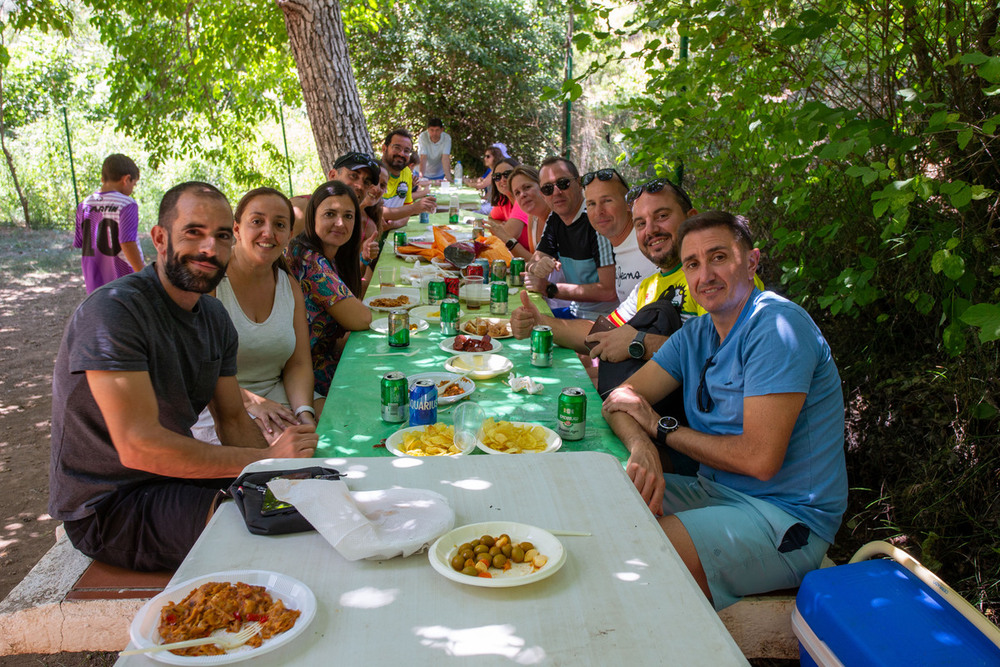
(623, 593)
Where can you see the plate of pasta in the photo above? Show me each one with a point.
(223, 601)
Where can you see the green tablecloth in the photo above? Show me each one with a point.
(351, 423)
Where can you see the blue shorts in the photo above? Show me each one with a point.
(737, 539)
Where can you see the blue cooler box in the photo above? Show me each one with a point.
(877, 612)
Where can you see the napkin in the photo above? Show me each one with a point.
(375, 525)
(525, 383)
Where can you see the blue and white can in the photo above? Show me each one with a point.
(423, 403)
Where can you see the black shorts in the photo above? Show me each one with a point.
(147, 527)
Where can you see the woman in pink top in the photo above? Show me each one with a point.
(523, 186)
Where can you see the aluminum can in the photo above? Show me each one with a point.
(571, 412)
(399, 328)
(541, 346)
(517, 271)
(436, 291)
(474, 270)
(485, 264)
(498, 298)
(498, 271)
(451, 286)
(425, 218)
(478, 229)
(423, 403)
(449, 317)
(395, 398)
(399, 238)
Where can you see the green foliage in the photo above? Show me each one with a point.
(479, 65)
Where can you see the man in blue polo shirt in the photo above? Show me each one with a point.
(766, 412)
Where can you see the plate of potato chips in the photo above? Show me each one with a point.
(503, 437)
(430, 440)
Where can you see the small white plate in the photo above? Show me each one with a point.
(491, 320)
(466, 384)
(430, 313)
(292, 592)
(444, 548)
(395, 441)
(381, 325)
(552, 440)
(448, 343)
(482, 366)
(391, 293)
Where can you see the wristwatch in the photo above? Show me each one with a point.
(551, 290)
(663, 427)
(636, 349)
(510, 244)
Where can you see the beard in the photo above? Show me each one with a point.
(668, 260)
(398, 163)
(181, 277)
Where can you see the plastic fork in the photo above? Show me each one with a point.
(224, 641)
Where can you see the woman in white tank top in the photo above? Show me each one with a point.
(267, 307)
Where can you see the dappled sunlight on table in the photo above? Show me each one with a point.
(406, 462)
(369, 598)
(484, 640)
(469, 484)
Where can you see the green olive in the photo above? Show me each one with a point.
(474, 543)
(482, 549)
(499, 560)
(463, 547)
(471, 571)
(494, 550)
(517, 554)
(526, 546)
(457, 563)
(506, 549)
(467, 553)
(487, 540)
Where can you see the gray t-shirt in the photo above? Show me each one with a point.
(434, 152)
(130, 324)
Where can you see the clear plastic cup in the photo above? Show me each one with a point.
(472, 292)
(468, 419)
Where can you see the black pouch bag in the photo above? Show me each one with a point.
(661, 317)
(262, 512)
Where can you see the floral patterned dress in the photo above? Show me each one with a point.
(322, 288)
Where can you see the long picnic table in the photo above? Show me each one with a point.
(351, 424)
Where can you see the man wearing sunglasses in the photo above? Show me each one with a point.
(766, 412)
(398, 198)
(585, 257)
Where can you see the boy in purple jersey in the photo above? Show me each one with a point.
(107, 225)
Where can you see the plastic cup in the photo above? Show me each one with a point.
(472, 290)
(468, 418)
(387, 276)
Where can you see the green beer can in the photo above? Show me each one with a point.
(498, 298)
(399, 328)
(395, 398)
(572, 413)
(517, 271)
(541, 346)
(449, 316)
(399, 238)
(436, 291)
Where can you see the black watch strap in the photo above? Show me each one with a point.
(664, 427)
(551, 290)
(510, 244)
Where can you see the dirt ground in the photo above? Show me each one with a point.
(40, 285)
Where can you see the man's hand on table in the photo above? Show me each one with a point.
(524, 318)
(612, 345)
(295, 442)
(643, 466)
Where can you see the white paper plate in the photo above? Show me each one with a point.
(392, 292)
(395, 441)
(491, 320)
(381, 325)
(552, 440)
(447, 343)
(445, 546)
(466, 384)
(479, 366)
(430, 313)
(292, 592)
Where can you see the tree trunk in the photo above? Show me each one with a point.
(319, 46)
(10, 158)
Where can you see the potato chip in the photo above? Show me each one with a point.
(434, 440)
(511, 438)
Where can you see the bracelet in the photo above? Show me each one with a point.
(305, 408)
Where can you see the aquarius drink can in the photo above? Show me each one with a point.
(517, 271)
(395, 398)
(436, 291)
(423, 403)
(541, 346)
(425, 218)
(498, 298)
(449, 317)
(571, 412)
(399, 328)
(498, 271)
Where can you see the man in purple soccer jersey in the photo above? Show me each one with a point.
(107, 225)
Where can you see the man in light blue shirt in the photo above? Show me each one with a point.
(766, 413)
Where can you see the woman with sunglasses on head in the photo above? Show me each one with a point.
(523, 184)
(324, 258)
(266, 305)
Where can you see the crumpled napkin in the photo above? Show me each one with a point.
(525, 383)
(374, 525)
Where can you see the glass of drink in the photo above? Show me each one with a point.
(387, 276)
(468, 419)
(472, 290)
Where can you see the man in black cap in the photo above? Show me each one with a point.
(357, 170)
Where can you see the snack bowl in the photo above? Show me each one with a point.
(395, 441)
(447, 345)
(552, 440)
(479, 365)
(493, 321)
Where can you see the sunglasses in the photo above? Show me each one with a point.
(704, 399)
(359, 159)
(563, 184)
(601, 175)
(654, 186)
(500, 175)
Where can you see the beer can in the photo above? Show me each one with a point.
(449, 317)
(399, 328)
(498, 298)
(517, 271)
(423, 403)
(498, 271)
(395, 398)
(541, 346)
(436, 291)
(485, 265)
(571, 412)
(399, 238)
(425, 218)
